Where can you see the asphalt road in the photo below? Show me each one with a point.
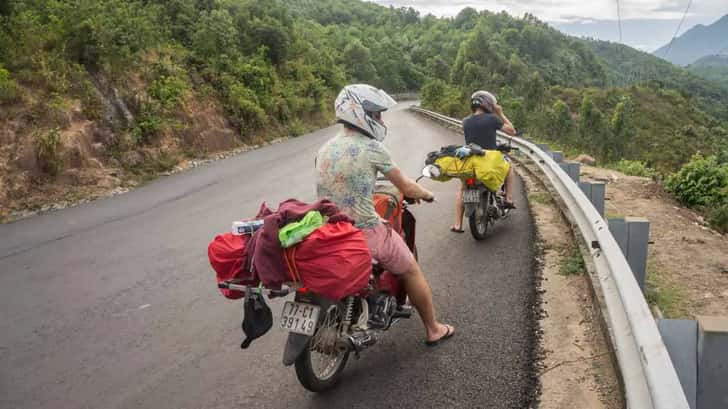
(113, 304)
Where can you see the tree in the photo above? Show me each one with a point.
(621, 128)
(561, 126)
(592, 127)
(215, 35)
(357, 59)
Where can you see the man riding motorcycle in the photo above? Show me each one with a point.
(346, 169)
(480, 129)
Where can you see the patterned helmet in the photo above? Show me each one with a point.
(360, 106)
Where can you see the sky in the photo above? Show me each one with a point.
(646, 24)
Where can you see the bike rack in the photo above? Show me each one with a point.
(649, 378)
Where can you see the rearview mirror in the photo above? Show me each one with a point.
(431, 171)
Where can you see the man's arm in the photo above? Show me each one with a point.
(507, 125)
(407, 186)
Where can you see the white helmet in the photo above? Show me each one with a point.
(355, 105)
(484, 100)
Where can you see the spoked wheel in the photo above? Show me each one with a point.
(480, 219)
(320, 365)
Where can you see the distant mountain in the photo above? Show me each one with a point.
(712, 67)
(697, 42)
(626, 66)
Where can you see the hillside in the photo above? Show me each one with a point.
(626, 66)
(97, 95)
(699, 41)
(712, 67)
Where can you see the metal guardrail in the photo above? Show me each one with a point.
(648, 375)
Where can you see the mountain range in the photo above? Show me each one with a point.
(699, 41)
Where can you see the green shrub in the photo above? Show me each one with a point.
(718, 218)
(149, 124)
(47, 145)
(168, 90)
(296, 127)
(8, 87)
(244, 105)
(700, 182)
(634, 168)
(91, 104)
(573, 262)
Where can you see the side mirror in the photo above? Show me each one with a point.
(431, 171)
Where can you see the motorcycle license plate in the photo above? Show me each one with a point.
(299, 317)
(471, 196)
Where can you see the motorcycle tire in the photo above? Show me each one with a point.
(480, 219)
(309, 375)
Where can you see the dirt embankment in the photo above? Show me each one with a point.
(62, 151)
(687, 266)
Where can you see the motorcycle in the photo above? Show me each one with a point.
(324, 332)
(482, 206)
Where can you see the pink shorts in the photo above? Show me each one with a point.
(389, 249)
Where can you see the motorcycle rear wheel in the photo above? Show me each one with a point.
(320, 365)
(480, 219)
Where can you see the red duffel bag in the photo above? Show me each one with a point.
(226, 258)
(334, 261)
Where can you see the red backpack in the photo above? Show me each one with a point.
(226, 258)
(389, 207)
(334, 261)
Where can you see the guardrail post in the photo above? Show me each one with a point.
(681, 340)
(558, 156)
(573, 169)
(633, 235)
(595, 192)
(712, 362)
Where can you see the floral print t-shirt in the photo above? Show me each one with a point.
(346, 173)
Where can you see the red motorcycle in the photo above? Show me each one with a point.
(323, 332)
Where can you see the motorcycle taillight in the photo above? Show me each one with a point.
(470, 181)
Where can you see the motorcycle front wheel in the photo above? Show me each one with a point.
(320, 365)
(479, 220)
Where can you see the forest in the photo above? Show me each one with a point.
(148, 79)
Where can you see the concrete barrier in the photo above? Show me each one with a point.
(633, 235)
(681, 341)
(712, 362)
(557, 156)
(595, 191)
(573, 169)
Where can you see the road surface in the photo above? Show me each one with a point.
(113, 304)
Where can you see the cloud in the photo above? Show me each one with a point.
(574, 10)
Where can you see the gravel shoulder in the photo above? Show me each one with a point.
(576, 367)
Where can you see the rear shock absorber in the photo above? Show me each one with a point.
(348, 312)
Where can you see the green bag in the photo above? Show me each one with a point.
(294, 233)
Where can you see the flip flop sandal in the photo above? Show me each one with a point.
(454, 230)
(448, 334)
(509, 205)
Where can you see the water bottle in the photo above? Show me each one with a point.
(246, 227)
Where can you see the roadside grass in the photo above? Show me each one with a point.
(540, 197)
(572, 263)
(665, 296)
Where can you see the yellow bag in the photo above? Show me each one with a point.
(490, 169)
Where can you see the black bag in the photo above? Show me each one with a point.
(257, 317)
(449, 150)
